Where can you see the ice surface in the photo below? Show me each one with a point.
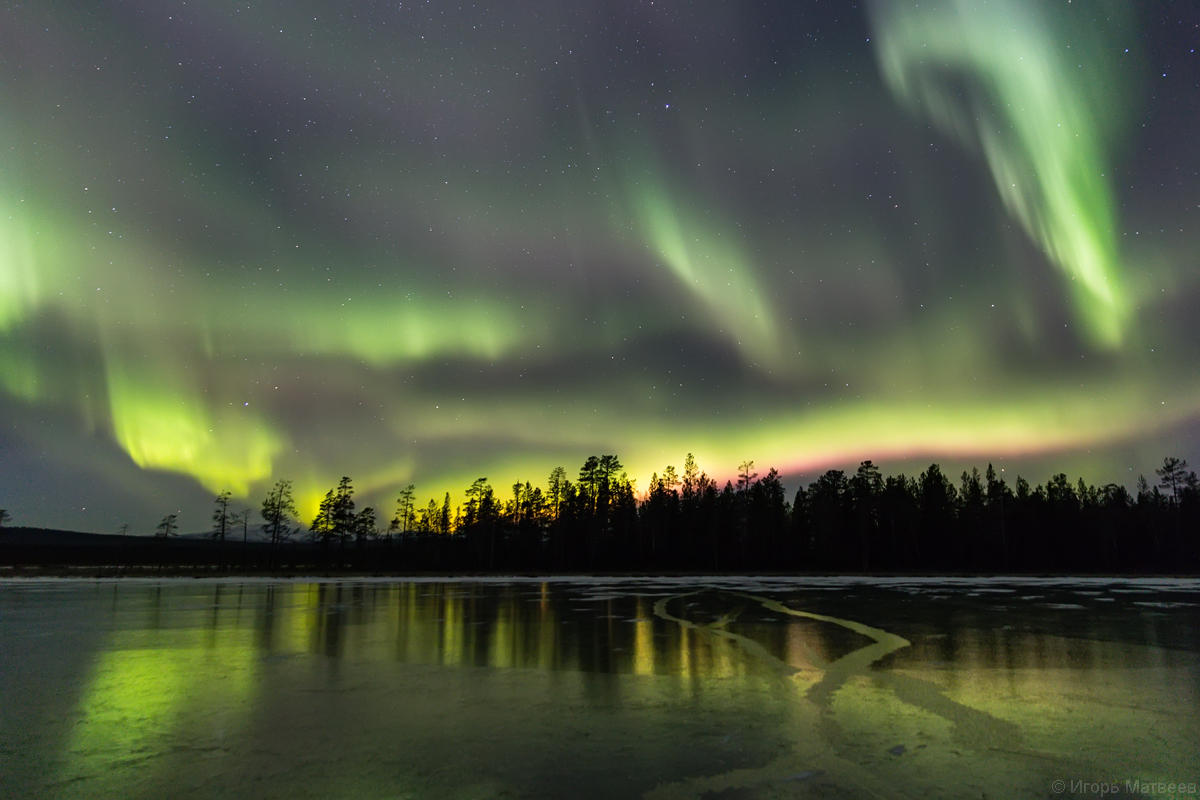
(594, 687)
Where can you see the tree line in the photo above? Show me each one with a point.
(862, 521)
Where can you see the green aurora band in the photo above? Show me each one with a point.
(1039, 118)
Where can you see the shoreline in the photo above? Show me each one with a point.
(116, 573)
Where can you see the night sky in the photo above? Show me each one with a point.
(427, 242)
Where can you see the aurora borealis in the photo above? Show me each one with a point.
(423, 242)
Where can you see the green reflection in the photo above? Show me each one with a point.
(157, 695)
(447, 689)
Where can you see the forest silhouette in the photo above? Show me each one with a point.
(858, 522)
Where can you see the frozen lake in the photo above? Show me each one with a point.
(604, 688)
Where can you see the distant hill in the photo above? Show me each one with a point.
(35, 547)
(35, 537)
(52, 536)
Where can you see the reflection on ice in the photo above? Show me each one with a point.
(674, 687)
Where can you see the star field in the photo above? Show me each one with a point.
(424, 242)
